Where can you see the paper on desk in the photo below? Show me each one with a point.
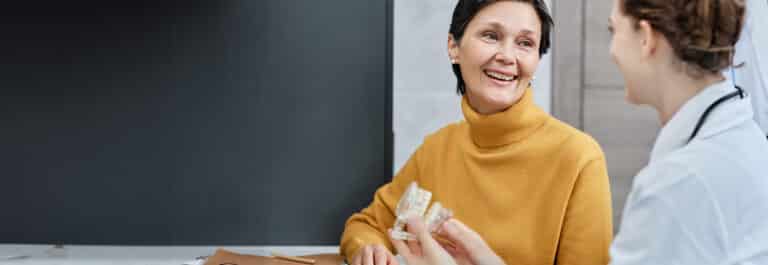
(194, 262)
(231, 258)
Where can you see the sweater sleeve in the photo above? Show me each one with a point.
(587, 227)
(370, 225)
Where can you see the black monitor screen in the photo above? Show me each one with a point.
(192, 122)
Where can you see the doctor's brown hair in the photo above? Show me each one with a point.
(701, 32)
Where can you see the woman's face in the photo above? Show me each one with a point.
(626, 51)
(498, 54)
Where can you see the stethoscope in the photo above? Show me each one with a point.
(739, 92)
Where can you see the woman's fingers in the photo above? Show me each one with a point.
(368, 255)
(380, 255)
(357, 260)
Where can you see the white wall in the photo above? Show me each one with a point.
(424, 97)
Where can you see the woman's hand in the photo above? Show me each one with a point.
(465, 245)
(424, 250)
(374, 255)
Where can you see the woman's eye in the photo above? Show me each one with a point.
(490, 36)
(526, 43)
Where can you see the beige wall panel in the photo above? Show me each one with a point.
(599, 70)
(625, 132)
(567, 53)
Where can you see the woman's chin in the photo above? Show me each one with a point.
(494, 99)
(500, 101)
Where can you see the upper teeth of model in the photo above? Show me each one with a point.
(500, 76)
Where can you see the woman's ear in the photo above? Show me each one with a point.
(453, 49)
(650, 40)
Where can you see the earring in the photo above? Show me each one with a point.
(453, 61)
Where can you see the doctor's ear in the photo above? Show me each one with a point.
(649, 36)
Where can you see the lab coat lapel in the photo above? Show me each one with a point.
(674, 135)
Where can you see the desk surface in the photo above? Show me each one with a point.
(136, 255)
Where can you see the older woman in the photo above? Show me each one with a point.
(535, 188)
(703, 197)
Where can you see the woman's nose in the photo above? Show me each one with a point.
(507, 54)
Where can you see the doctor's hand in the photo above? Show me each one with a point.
(424, 250)
(465, 245)
(374, 255)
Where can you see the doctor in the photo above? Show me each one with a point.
(752, 56)
(703, 197)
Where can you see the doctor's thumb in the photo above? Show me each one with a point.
(417, 227)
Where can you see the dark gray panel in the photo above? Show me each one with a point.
(226, 122)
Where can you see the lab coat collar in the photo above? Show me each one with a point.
(674, 135)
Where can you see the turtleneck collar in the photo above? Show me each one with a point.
(511, 125)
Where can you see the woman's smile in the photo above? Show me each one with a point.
(501, 78)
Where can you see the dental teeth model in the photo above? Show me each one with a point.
(414, 202)
(436, 216)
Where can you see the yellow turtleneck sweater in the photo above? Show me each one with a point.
(533, 187)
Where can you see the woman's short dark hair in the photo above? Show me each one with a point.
(466, 10)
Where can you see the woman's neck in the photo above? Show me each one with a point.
(676, 90)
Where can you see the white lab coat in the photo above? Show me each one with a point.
(752, 51)
(703, 202)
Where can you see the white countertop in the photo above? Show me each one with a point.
(135, 255)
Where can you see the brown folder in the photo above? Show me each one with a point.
(223, 257)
